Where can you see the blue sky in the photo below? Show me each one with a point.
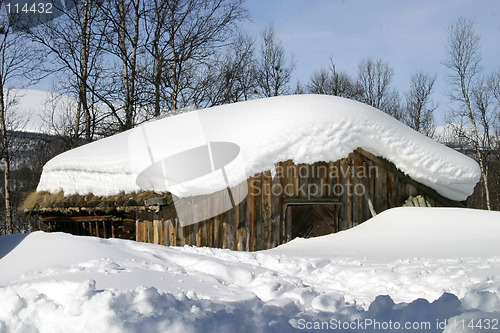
(410, 35)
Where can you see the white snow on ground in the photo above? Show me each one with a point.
(407, 266)
(304, 128)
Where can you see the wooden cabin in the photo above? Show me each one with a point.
(301, 200)
(282, 202)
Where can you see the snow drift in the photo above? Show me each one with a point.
(304, 128)
(422, 276)
(407, 232)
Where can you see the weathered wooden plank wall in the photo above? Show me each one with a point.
(105, 227)
(259, 221)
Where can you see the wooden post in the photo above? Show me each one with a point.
(136, 226)
(104, 231)
(156, 229)
(288, 223)
(251, 213)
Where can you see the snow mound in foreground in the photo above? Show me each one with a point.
(59, 283)
(303, 128)
(409, 232)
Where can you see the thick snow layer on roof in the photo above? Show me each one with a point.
(304, 128)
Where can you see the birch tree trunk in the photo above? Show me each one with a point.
(129, 61)
(464, 62)
(6, 162)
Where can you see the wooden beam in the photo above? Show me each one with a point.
(313, 201)
(79, 218)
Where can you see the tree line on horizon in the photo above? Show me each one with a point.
(143, 59)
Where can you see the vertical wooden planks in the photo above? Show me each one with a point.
(291, 190)
(345, 182)
(282, 181)
(275, 212)
(217, 236)
(288, 223)
(156, 228)
(259, 225)
(294, 177)
(139, 231)
(366, 214)
(380, 190)
(241, 225)
(251, 212)
(230, 229)
(211, 232)
(391, 192)
(179, 235)
(203, 229)
(196, 234)
(266, 208)
(356, 194)
(170, 231)
(236, 224)
(223, 225)
(185, 233)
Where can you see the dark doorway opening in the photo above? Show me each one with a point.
(312, 219)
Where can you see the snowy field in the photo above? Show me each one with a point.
(406, 268)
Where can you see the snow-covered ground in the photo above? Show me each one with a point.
(406, 266)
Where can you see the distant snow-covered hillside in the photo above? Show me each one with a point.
(34, 107)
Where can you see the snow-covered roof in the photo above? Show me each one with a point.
(258, 133)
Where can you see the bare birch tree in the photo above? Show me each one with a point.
(18, 58)
(124, 19)
(275, 70)
(332, 82)
(75, 42)
(463, 61)
(375, 78)
(419, 106)
(182, 40)
(230, 77)
(156, 45)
